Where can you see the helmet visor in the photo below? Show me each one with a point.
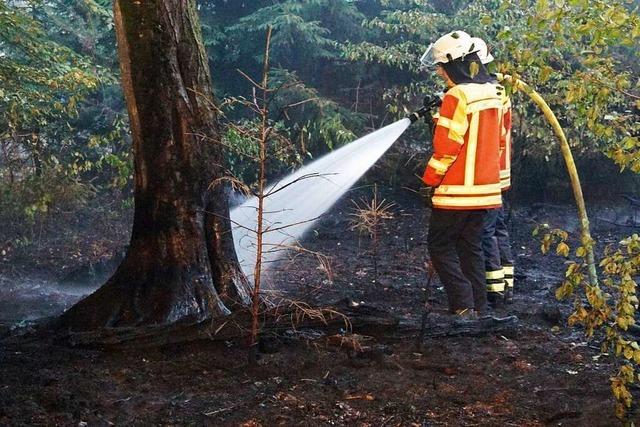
(488, 58)
(427, 60)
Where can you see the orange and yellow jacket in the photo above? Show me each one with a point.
(465, 166)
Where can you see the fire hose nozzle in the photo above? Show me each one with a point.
(416, 115)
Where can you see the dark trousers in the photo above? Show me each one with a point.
(455, 247)
(495, 241)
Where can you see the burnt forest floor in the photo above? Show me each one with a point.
(536, 372)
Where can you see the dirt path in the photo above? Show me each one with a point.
(539, 373)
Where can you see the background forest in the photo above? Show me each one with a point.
(64, 139)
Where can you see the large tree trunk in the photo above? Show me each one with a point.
(181, 264)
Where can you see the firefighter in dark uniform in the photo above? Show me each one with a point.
(499, 261)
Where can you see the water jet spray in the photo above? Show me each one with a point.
(295, 202)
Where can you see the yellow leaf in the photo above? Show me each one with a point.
(562, 249)
(628, 353)
(622, 323)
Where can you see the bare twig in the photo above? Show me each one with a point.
(275, 189)
(221, 410)
(293, 224)
(253, 82)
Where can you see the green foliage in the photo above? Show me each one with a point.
(317, 122)
(355, 61)
(609, 308)
(28, 202)
(85, 26)
(305, 54)
(293, 26)
(242, 142)
(61, 113)
(577, 54)
(581, 50)
(41, 80)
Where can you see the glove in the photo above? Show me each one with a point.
(428, 103)
(432, 100)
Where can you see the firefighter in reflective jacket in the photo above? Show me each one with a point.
(499, 259)
(464, 170)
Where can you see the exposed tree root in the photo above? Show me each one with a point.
(340, 318)
(226, 328)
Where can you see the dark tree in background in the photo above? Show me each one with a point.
(181, 264)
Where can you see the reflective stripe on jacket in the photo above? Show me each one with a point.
(465, 166)
(505, 145)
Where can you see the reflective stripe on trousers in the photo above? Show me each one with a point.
(508, 275)
(495, 281)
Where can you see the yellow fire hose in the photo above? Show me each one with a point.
(571, 168)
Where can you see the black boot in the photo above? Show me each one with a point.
(496, 299)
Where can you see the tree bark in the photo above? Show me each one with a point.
(181, 263)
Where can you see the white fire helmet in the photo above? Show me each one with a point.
(483, 50)
(451, 46)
